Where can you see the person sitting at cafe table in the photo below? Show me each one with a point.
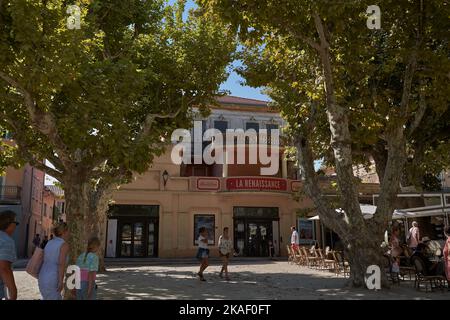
(433, 263)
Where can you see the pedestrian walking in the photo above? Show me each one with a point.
(294, 239)
(225, 250)
(8, 255)
(88, 263)
(51, 275)
(203, 251)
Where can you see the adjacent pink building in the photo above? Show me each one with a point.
(21, 190)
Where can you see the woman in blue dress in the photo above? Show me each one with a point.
(51, 275)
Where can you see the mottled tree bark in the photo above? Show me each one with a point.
(86, 210)
(362, 238)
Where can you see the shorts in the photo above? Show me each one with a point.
(82, 292)
(202, 253)
(224, 255)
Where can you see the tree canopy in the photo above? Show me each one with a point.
(99, 102)
(109, 92)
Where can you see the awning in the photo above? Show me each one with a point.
(369, 210)
(398, 214)
(401, 214)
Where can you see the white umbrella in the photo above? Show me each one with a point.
(366, 209)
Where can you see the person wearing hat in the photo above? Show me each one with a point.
(7, 255)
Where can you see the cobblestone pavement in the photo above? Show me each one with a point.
(271, 280)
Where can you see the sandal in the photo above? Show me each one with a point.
(201, 277)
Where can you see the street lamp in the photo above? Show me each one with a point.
(165, 176)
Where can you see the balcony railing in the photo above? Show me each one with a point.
(10, 193)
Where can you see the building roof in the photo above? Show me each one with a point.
(57, 191)
(233, 100)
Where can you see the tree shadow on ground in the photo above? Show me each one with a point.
(181, 282)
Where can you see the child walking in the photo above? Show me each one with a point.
(225, 249)
(203, 251)
(88, 263)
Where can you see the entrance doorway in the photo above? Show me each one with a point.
(259, 233)
(137, 230)
(137, 237)
(254, 231)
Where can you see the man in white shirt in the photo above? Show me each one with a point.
(294, 239)
(414, 236)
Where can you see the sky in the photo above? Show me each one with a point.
(234, 81)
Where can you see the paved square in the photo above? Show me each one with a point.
(272, 280)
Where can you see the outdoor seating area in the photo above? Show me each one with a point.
(413, 269)
(426, 271)
(317, 258)
(426, 265)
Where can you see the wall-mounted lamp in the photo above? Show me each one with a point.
(165, 177)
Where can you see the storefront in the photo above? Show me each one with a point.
(132, 231)
(159, 213)
(255, 229)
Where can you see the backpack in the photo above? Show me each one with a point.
(35, 263)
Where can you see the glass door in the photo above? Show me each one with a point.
(138, 240)
(132, 240)
(265, 231)
(259, 234)
(125, 240)
(239, 237)
(152, 250)
(252, 237)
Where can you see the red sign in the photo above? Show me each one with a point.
(208, 184)
(256, 184)
(296, 185)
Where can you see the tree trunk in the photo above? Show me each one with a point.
(99, 208)
(96, 226)
(77, 210)
(364, 252)
(379, 155)
(77, 196)
(86, 209)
